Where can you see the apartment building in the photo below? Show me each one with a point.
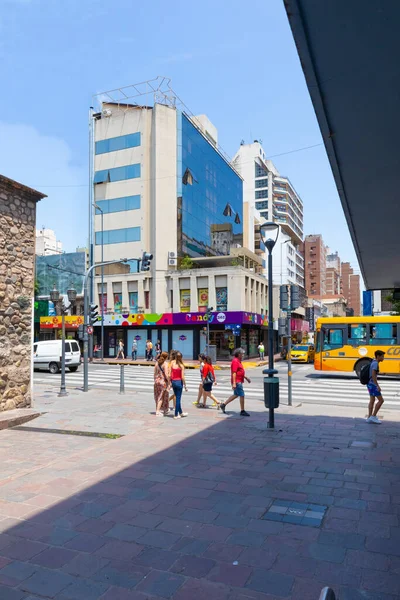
(269, 196)
(351, 288)
(315, 265)
(165, 187)
(333, 273)
(47, 243)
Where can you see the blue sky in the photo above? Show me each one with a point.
(235, 61)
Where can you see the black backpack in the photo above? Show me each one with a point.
(365, 374)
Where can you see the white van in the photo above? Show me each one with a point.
(47, 355)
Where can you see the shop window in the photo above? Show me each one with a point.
(147, 300)
(357, 334)
(185, 300)
(383, 334)
(133, 302)
(202, 299)
(117, 302)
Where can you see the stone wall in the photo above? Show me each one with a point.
(17, 260)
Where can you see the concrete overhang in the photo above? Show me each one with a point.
(349, 51)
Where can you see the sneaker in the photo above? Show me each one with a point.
(196, 403)
(159, 415)
(177, 417)
(243, 413)
(184, 414)
(222, 407)
(214, 404)
(375, 420)
(368, 420)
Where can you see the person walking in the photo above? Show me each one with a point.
(171, 357)
(158, 349)
(202, 359)
(374, 389)
(177, 380)
(120, 353)
(161, 385)
(209, 379)
(261, 350)
(238, 376)
(134, 350)
(149, 350)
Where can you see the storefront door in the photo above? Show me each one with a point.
(140, 335)
(182, 340)
(225, 343)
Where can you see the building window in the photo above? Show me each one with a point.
(118, 236)
(264, 214)
(119, 204)
(147, 300)
(260, 171)
(262, 205)
(222, 298)
(261, 194)
(117, 302)
(132, 140)
(185, 300)
(261, 183)
(133, 302)
(117, 174)
(103, 299)
(202, 295)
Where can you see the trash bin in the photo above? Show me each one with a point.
(271, 392)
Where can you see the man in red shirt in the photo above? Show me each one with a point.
(237, 379)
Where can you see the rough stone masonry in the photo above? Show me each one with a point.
(17, 265)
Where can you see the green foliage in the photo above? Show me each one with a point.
(395, 304)
(186, 263)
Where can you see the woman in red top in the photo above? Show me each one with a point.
(238, 376)
(208, 380)
(177, 380)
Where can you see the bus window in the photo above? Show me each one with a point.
(383, 334)
(357, 334)
(318, 336)
(333, 339)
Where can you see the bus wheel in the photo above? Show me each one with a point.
(360, 364)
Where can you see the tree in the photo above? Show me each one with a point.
(186, 263)
(395, 304)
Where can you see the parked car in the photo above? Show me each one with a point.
(47, 355)
(304, 353)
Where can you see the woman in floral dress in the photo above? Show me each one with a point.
(161, 385)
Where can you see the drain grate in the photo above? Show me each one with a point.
(95, 434)
(285, 511)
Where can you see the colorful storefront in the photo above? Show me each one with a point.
(185, 331)
(51, 327)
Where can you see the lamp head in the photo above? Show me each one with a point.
(71, 294)
(269, 232)
(54, 294)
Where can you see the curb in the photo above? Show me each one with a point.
(13, 420)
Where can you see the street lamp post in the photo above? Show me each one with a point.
(270, 232)
(97, 207)
(209, 311)
(55, 298)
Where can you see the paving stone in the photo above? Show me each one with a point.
(126, 533)
(232, 521)
(119, 550)
(15, 572)
(156, 557)
(58, 536)
(191, 546)
(225, 552)
(199, 516)
(45, 582)
(159, 539)
(85, 565)
(85, 589)
(258, 557)
(23, 549)
(120, 575)
(246, 538)
(214, 533)
(7, 593)
(116, 593)
(54, 558)
(229, 574)
(202, 589)
(86, 542)
(192, 566)
(161, 583)
(270, 582)
(352, 541)
(335, 554)
(347, 593)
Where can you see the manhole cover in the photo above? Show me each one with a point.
(296, 513)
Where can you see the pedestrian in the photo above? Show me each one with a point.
(120, 350)
(374, 389)
(177, 380)
(134, 350)
(238, 376)
(171, 357)
(149, 350)
(209, 379)
(261, 350)
(161, 385)
(158, 349)
(202, 359)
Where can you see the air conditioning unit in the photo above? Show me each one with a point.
(172, 259)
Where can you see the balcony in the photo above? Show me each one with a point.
(259, 246)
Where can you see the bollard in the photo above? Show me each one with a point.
(271, 395)
(122, 380)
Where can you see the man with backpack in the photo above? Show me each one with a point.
(368, 377)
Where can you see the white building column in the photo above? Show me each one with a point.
(110, 295)
(176, 295)
(125, 295)
(141, 294)
(193, 294)
(212, 296)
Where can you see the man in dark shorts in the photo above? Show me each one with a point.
(374, 388)
(237, 377)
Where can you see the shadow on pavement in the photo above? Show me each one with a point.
(177, 510)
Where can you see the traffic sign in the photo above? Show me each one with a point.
(90, 329)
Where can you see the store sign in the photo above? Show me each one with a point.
(182, 338)
(71, 322)
(185, 300)
(183, 318)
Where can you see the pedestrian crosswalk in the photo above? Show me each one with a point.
(317, 390)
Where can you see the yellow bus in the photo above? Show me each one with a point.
(348, 343)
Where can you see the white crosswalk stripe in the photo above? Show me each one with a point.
(307, 390)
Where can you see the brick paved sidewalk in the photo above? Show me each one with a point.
(182, 509)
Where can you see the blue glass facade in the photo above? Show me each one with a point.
(119, 204)
(117, 174)
(118, 236)
(132, 140)
(210, 196)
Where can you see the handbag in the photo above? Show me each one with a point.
(164, 375)
(209, 378)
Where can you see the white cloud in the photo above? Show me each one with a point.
(46, 163)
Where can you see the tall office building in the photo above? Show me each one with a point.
(47, 243)
(315, 265)
(164, 186)
(269, 196)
